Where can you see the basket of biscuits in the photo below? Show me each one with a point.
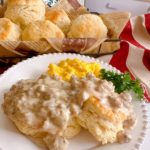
(30, 27)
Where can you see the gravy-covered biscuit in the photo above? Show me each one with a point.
(106, 119)
(44, 112)
(88, 26)
(53, 110)
(101, 121)
(23, 12)
(41, 29)
(9, 30)
(60, 18)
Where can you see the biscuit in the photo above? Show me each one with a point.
(9, 30)
(38, 131)
(100, 121)
(88, 26)
(72, 129)
(25, 2)
(41, 29)
(23, 12)
(18, 119)
(60, 18)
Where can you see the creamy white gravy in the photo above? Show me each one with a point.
(49, 102)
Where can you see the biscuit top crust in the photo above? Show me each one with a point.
(25, 2)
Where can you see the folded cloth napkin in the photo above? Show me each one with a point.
(134, 54)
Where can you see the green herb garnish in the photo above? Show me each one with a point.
(123, 82)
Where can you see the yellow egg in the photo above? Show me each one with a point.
(77, 67)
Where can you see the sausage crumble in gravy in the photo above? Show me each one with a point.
(42, 108)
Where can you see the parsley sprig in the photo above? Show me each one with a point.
(122, 82)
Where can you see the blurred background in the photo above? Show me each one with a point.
(136, 7)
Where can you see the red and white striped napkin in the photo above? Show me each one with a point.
(134, 54)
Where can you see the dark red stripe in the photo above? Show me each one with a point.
(146, 96)
(146, 59)
(126, 35)
(119, 59)
(147, 22)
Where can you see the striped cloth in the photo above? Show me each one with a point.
(134, 54)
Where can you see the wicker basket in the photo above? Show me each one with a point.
(12, 51)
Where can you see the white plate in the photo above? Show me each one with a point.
(11, 139)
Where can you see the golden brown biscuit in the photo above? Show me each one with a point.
(88, 26)
(41, 29)
(101, 122)
(60, 18)
(72, 129)
(23, 12)
(9, 30)
(24, 2)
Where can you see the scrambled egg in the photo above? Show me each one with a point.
(69, 67)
